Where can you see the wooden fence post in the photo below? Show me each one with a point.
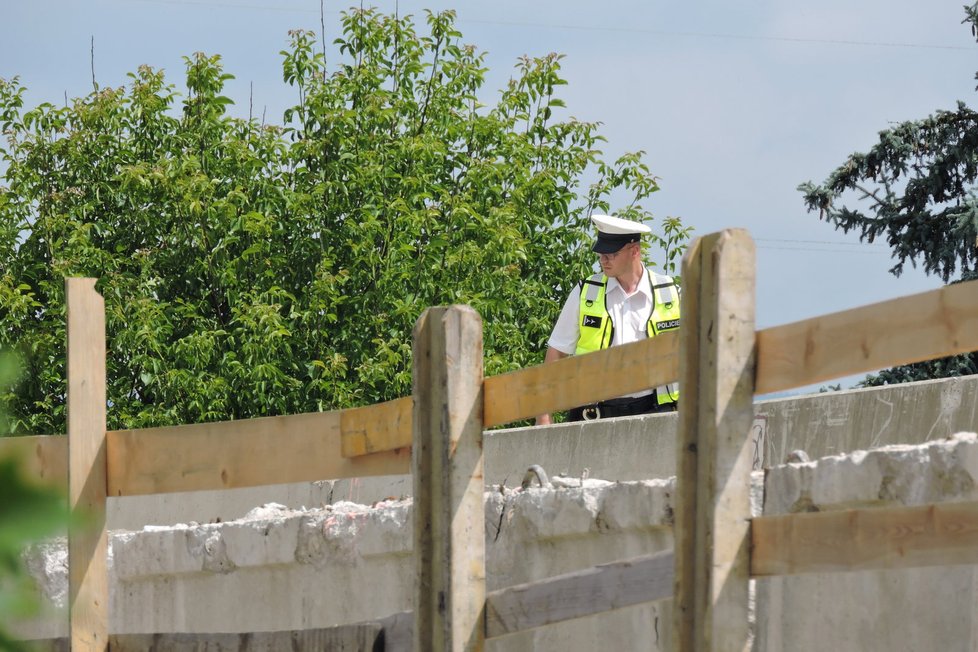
(88, 583)
(449, 515)
(712, 526)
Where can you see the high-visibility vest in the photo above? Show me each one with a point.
(597, 330)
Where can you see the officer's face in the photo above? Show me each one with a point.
(618, 262)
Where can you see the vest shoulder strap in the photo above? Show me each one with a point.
(663, 287)
(591, 287)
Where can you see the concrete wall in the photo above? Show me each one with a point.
(281, 569)
(632, 448)
(324, 560)
(860, 419)
(900, 610)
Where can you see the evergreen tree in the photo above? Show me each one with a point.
(918, 185)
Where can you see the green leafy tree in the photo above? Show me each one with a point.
(253, 269)
(919, 182)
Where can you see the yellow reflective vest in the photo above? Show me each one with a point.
(597, 329)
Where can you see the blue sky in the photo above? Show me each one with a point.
(735, 104)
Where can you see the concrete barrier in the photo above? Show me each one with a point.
(326, 560)
(279, 568)
(632, 448)
(903, 610)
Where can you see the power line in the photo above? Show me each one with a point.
(720, 35)
(821, 246)
(824, 242)
(874, 252)
(595, 28)
(228, 5)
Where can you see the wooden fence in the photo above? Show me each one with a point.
(719, 358)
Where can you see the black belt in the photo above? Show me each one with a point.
(620, 407)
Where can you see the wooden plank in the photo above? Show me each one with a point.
(232, 454)
(527, 392)
(449, 515)
(687, 452)
(45, 457)
(720, 371)
(579, 594)
(357, 637)
(910, 329)
(582, 593)
(398, 632)
(88, 578)
(360, 636)
(60, 644)
(375, 428)
(789, 356)
(611, 372)
(865, 539)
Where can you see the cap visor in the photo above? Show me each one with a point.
(609, 243)
(607, 246)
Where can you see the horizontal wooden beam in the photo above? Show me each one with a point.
(232, 454)
(910, 329)
(587, 592)
(361, 636)
(582, 593)
(919, 327)
(44, 457)
(582, 379)
(374, 428)
(528, 392)
(510, 610)
(864, 539)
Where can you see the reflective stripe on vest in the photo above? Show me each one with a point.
(597, 330)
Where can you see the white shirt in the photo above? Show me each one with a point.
(630, 315)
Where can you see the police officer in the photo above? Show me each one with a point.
(623, 303)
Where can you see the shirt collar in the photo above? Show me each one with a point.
(644, 286)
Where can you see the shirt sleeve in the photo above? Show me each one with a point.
(566, 331)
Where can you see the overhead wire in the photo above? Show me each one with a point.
(825, 250)
(720, 35)
(796, 245)
(825, 246)
(592, 28)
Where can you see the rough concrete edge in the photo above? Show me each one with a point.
(889, 475)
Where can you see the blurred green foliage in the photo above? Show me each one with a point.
(28, 514)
